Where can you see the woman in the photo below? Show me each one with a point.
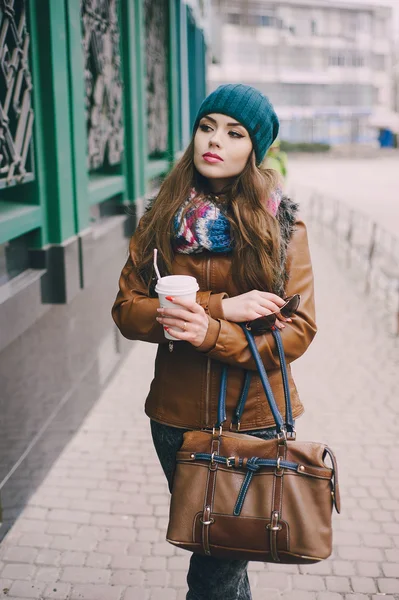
(221, 219)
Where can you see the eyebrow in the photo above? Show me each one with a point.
(229, 124)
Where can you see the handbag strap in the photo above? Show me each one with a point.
(221, 418)
(289, 420)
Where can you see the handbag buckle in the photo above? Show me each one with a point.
(238, 425)
(282, 435)
(220, 430)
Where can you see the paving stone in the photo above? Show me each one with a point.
(69, 516)
(157, 578)
(360, 553)
(390, 569)
(368, 569)
(274, 581)
(176, 563)
(264, 594)
(85, 575)
(61, 528)
(48, 557)
(64, 542)
(136, 593)
(18, 571)
(324, 567)
(57, 591)
(163, 594)
(17, 554)
(140, 549)
(343, 568)
(73, 559)
(178, 579)
(35, 540)
(93, 531)
(129, 577)
(308, 582)
(100, 561)
(96, 592)
(298, 595)
(163, 549)
(338, 584)
(364, 585)
(47, 574)
(27, 589)
(388, 586)
(124, 561)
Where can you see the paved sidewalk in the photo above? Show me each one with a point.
(95, 529)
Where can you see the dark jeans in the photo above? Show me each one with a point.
(208, 578)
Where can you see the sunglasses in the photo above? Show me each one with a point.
(264, 324)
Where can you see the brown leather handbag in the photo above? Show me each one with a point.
(240, 497)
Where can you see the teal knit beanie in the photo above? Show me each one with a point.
(250, 107)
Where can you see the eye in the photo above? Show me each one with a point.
(235, 134)
(204, 127)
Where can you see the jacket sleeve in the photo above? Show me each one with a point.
(135, 312)
(227, 342)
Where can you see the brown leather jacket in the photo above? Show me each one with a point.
(184, 391)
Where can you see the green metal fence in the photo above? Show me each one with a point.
(96, 102)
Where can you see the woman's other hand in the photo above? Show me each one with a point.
(188, 316)
(252, 305)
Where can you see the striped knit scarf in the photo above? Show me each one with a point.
(204, 226)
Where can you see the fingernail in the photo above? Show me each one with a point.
(169, 298)
(166, 328)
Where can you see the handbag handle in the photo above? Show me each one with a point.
(280, 425)
(289, 420)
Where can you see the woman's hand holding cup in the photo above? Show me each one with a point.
(187, 322)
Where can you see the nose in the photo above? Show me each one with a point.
(214, 140)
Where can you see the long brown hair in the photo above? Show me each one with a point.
(255, 232)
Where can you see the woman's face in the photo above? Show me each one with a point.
(221, 149)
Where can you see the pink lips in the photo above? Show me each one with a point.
(212, 158)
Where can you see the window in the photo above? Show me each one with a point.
(267, 21)
(313, 27)
(233, 19)
(378, 62)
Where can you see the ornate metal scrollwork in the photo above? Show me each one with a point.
(16, 113)
(103, 82)
(156, 27)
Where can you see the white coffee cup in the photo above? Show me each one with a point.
(178, 286)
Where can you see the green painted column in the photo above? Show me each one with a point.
(140, 83)
(184, 78)
(77, 114)
(53, 126)
(173, 82)
(134, 117)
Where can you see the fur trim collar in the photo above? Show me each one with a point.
(286, 216)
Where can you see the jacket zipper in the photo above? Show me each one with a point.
(208, 364)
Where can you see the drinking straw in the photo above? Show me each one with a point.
(155, 263)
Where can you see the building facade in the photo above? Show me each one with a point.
(96, 103)
(325, 65)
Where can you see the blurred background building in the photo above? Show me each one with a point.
(96, 103)
(325, 65)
